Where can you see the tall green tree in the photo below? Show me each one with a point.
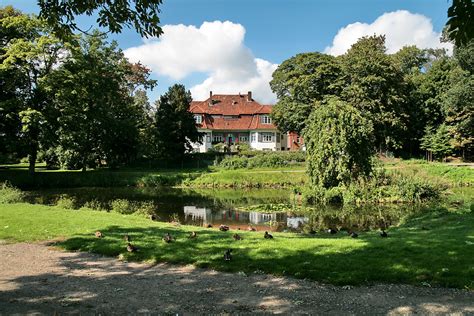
(174, 127)
(28, 54)
(374, 85)
(300, 81)
(339, 143)
(97, 116)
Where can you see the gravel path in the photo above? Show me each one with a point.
(35, 278)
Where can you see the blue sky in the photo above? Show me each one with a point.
(267, 32)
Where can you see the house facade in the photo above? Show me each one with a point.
(236, 119)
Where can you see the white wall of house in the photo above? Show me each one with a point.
(206, 142)
(259, 140)
(265, 140)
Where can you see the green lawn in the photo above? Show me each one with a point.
(436, 249)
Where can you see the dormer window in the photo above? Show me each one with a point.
(265, 119)
(198, 119)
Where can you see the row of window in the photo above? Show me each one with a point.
(264, 119)
(262, 138)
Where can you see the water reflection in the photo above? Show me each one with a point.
(216, 207)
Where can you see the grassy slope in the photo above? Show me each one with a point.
(441, 254)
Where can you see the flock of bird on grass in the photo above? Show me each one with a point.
(167, 238)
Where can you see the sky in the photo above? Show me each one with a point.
(232, 46)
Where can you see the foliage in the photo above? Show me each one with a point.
(66, 202)
(142, 15)
(97, 118)
(28, 55)
(437, 142)
(298, 82)
(122, 206)
(339, 144)
(10, 194)
(459, 26)
(262, 160)
(373, 85)
(174, 129)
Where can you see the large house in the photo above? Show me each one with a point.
(235, 119)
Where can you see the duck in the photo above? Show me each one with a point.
(267, 236)
(228, 255)
(223, 228)
(131, 248)
(209, 226)
(353, 234)
(99, 234)
(237, 237)
(383, 234)
(167, 238)
(193, 235)
(332, 231)
(127, 238)
(251, 229)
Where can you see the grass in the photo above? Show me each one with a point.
(215, 177)
(431, 249)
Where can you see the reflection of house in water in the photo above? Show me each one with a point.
(296, 222)
(259, 218)
(197, 214)
(206, 216)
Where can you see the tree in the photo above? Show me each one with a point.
(174, 127)
(458, 100)
(300, 81)
(142, 15)
(28, 55)
(339, 144)
(374, 85)
(97, 116)
(437, 142)
(460, 25)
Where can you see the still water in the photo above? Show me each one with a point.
(234, 207)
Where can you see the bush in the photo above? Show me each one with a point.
(379, 188)
(145, 208)
(66, 202)
(10, 194)
(262, 160)
(122, 206)
(94, 205)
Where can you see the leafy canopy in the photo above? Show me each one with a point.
(142, 15)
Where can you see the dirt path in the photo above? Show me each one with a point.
(37, 279)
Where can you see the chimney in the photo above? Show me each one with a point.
(249, 96)
(210, 98)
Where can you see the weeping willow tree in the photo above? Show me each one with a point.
(340, 145)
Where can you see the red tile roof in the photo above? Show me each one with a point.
(231, 105)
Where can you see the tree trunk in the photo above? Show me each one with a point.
(32, 161)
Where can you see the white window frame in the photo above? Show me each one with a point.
(265, 119)
(243, 138)
(268, 137)
(198, 119)
(253, 137)
(217, 138)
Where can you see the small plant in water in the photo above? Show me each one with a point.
(66, 202)
(9, 194)
(174, 218)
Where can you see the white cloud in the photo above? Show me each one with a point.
(215, 48)
(401, 28)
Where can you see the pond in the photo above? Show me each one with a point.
(238, 209)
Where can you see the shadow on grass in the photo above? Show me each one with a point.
(436, 250)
